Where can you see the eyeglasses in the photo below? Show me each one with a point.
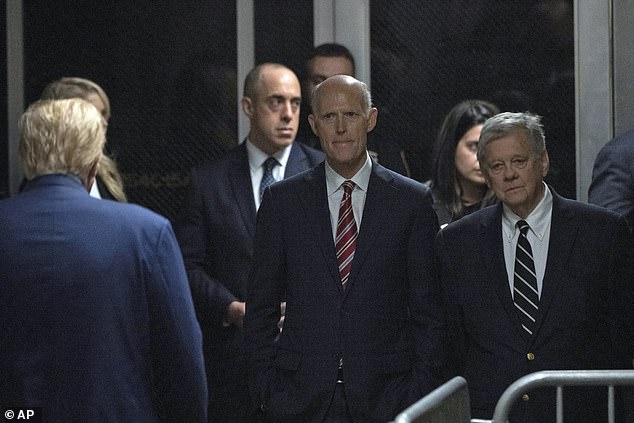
(500, 166)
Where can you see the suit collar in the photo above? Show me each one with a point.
(493, 257)
(315, 203)
(242, 190)
(563, 233)
(60, 179)
(297, 161)
(240, 180)
(381, 191)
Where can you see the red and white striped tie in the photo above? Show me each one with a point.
(346, 237)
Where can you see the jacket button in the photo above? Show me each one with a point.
(525, 397)
(530, 356)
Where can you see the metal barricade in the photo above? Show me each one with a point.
(559, 379)
(449, 403)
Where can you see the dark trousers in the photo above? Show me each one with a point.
(338, 411)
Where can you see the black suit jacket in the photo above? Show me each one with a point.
(387, 326)
(584, 319)
(613, 177)
(215, 231)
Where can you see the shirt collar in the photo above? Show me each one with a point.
(257, 157)
(361, 178)
(538, 220)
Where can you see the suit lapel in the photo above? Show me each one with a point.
(297, 161)
(315, 203)
(563, 232)
(493, 256)
(380, 192)
(240, 180)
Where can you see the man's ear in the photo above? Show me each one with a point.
(311, 120)
(92, 174)
(247, 106)
(545, 163)
(372, 115)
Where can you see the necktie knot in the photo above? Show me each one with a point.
(267, 178)
(269, 164)
(348, 187)
(523, 226)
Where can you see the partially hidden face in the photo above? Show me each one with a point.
(466, 160)
(342, 125)
(515, 173)
(274, 112)
(321, 68)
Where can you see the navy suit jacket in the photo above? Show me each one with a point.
(387, 326)
(97, 319)
(215, 231)
(584, 319)
(613, 177)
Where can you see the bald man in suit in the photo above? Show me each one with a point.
(363, 331)
(217, 226)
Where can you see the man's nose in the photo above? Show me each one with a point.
(509, 172)
(340, 124)
(287, 111)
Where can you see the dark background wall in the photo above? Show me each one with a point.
(169, 69)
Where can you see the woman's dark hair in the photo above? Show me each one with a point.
(445, 184)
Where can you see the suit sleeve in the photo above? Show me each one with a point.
(426, 314)
(622, 295)
(178, 372)
(452, 309)
(210, 296)
(612, 183)
(266, 289)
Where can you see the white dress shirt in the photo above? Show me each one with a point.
(538, 235)
(257, 158)
(334, 191)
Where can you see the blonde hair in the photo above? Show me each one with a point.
(74, 87)
(61, 136)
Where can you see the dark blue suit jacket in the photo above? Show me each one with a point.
(215, 231)
(613, 177)
(584, 321)
(97, 319)
(387, 326)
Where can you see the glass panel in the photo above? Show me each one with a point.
(169, 69)
(428, 56)
(285, 37)
(283, 32)
(4, 140)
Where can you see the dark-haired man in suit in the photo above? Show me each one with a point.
(536, 282)
(217, 226)
(348, 245)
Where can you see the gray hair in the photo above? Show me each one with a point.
(507, 123)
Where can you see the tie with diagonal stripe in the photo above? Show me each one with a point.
(267, 178)
(346, 234)
(525, 294)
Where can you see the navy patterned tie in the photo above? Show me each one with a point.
(267, 178)
(525, 294)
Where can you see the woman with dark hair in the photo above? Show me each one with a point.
(457, 183)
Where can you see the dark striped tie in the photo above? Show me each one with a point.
(525, 294)
(346, 235)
